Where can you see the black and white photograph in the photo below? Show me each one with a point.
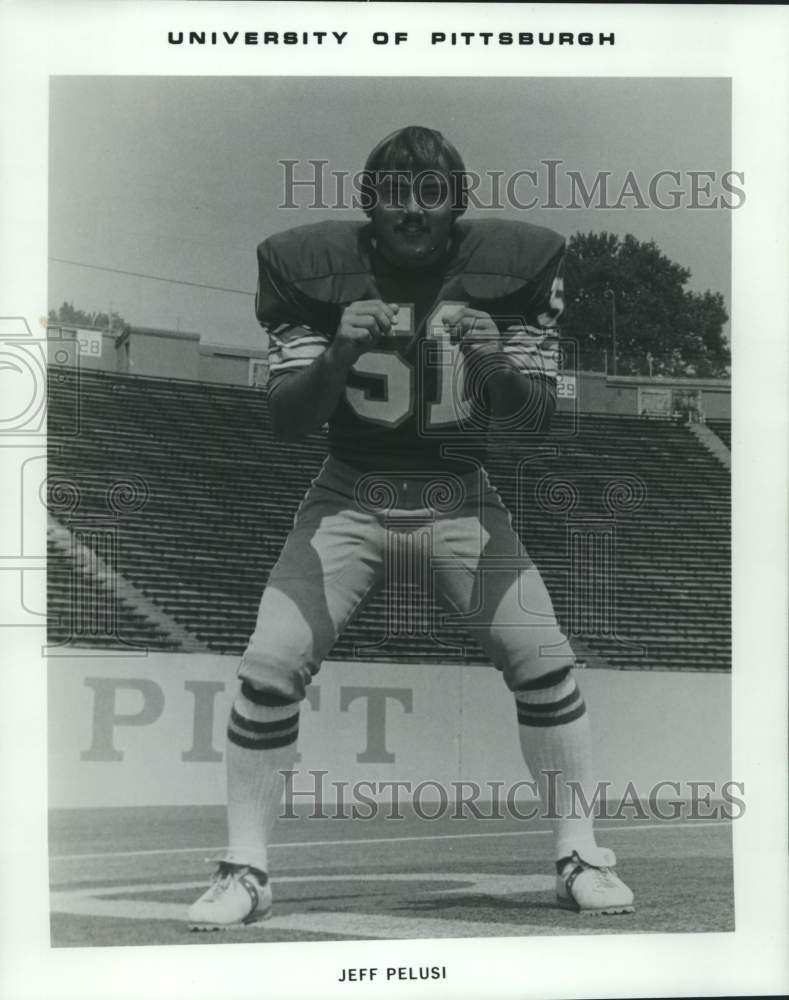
(396, 527)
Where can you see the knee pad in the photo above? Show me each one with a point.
(275, 678)
(534, 662)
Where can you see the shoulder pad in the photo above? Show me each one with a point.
(498, 257)
(305, 271)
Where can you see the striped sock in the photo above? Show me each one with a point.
(261, 742)
(555, 737)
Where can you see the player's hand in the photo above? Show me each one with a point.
(476, 333)
(362, 326)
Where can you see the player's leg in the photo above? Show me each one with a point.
(330, 563)
(484, 572)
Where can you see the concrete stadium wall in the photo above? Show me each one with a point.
(223, 368)
(149, 730)
(159, 354)
(227, 365)
(600, 393)
(93, 350)
(182, 355)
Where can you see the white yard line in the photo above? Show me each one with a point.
(668, 825)
(107, 902)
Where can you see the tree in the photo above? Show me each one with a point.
(77, 317)
(655, 314)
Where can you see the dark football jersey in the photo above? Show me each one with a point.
(408, 404)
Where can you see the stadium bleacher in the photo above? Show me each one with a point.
(86, 610)
(723, 429)
(627, 518)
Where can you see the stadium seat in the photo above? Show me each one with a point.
(201, 496)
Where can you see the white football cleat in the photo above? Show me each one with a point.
(238, 897)
(590, 885)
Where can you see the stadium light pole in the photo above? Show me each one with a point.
(612, 293)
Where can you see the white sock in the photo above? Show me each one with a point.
(555, 737)
(261, 742)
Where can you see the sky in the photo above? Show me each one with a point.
(179, 177)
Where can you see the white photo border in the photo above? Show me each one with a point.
(748, 44)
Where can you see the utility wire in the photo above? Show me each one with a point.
(150, 277)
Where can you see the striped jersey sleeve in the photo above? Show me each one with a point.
(533, 345)
(532, 351)
(293, 347)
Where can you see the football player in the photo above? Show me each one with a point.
(408, 335)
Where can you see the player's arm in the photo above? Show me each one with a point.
(309, 371)
(517, 366)
(533, 346)
(520, 397)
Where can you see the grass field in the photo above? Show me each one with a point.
(126, 876)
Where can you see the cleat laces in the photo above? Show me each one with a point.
(220, 881)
